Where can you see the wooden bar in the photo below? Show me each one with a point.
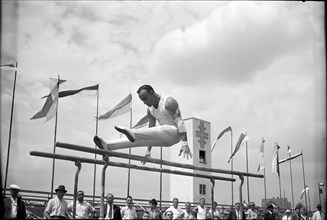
(132, 166)
(151, 160)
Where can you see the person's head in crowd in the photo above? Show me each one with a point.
(14, 190)
(169, 215)
(270, 207)
(129, 201)
(146, 215)
(214, 205)
(61, 191)
(153, 203)
(297, 210)
(175, 203)
(110, 198)
(202, 202)
(80, 196)
(188, 206)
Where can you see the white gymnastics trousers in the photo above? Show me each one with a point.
(160, 136)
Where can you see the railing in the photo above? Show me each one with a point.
(105, 162)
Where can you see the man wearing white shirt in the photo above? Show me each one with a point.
(83, 208)
(57, 206)
(288, 215)
(318, 214)
(188, 212)
(129, 212)
(200, 210)
(14, 207)
(177, 212)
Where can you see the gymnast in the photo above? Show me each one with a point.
(171, 129)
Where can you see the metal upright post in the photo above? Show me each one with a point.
(264, 171)
(103, 183)
(212, 196)
(291, 182)
(231, 151)
(319, 193)
(247, 170)
(95, 155)
(129, 161)
(160, 196)
(79, 165)
(305, 193)
(55, 140)
(10, 128)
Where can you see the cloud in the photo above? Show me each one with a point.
(231, 45)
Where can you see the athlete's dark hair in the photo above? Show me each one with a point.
(148, 88)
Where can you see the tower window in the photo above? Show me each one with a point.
(202, 189)
(202, 156)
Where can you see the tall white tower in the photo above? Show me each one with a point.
(199, 139)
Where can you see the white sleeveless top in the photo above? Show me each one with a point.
(163, 116)
(201, 213)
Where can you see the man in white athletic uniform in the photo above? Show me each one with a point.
(170, 131)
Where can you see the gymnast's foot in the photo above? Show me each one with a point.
(126, 131)
(100, 142)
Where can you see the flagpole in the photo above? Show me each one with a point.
(319, 193)
(96, 133)
(306, 205)
(55, 140)
(247, 169)
(160, 178)
(10, 127)
(291, 181)
(231, 150)
(264, 169)
(309, 199)
(280, 188)
(129, 161)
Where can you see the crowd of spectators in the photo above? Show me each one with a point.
(58, 208)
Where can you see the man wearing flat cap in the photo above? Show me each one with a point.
(57, 206)
(14, 207)
(318, 214)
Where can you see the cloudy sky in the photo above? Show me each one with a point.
(258, 67)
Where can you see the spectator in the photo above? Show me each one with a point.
(129, 212)
(14, 207)
(287, 215)
(318, 214)
(111, 211)
(154, 212)
(83, 208)
(236, 213)
(269, 214)
(251, 213)
(304, 214)
(168, 215)
(297, 214)
(216, 214)
(146, 215)
(57, 206)
(188, 213)
(177, 212)
(200, 210)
